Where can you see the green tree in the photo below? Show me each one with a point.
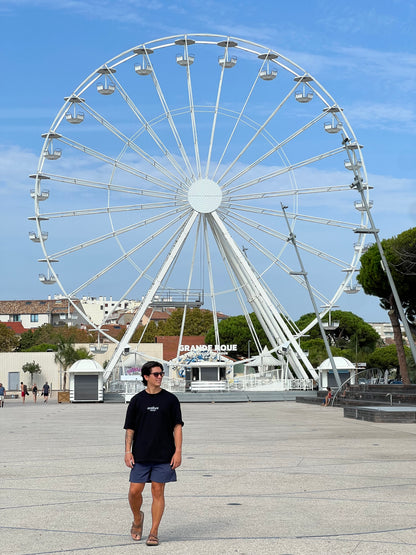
(31, 367)
(8, 339)
(41, 348)
(374, 282)
(352, 333)
(384, 358)
(37, 336)
(66, 355)
(235, 331)
(197, 322)
(152, 330)
(48, 334)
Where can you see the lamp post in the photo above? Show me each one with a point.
(248, 348)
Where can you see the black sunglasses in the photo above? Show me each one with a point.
(157, 374)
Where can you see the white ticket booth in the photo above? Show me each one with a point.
(86, 381)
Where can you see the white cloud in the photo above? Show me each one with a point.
(386, 67)
(17, 164)
(394, 203)
(385, 116)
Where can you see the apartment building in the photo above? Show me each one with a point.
(34, 313)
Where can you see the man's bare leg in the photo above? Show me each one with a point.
(136, 500)
(158, 506)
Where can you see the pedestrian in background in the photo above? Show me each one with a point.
(45, 392)
(23, 391)
(35, 392)
(2, 395)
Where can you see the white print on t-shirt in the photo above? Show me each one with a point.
(153, 409)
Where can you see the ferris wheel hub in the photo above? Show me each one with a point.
(204, 196)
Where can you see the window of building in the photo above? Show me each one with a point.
(34, 317)
(15, 317)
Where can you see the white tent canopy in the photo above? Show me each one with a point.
(264, 359)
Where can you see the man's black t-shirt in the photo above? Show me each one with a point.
(153, 418)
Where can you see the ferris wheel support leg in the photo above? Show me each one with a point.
(149, 296)
(273, 324)
(292, 239)
(358, 184)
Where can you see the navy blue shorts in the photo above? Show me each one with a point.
(152, 472)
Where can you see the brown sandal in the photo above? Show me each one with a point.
(137, 530)
(152, 540)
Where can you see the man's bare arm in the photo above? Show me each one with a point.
(177, 456)
(128, 455)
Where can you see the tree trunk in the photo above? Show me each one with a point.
(398, 339)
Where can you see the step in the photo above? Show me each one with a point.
(382, 414)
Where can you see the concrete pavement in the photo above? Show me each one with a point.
(257, 478)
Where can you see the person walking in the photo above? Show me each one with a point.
(2, 395)
(23, 391)
(35, 392)
(153, 452)
(45, 392)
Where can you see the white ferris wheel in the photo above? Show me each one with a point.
(183, 165)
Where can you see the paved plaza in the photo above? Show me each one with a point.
(257, 478)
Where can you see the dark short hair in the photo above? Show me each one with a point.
(147, 368)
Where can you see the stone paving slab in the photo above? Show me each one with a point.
(271, 478)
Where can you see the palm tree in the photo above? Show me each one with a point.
(66, 355)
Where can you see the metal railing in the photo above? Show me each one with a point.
(344, 384)
(250, 382)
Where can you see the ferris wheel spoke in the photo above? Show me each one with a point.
(214, 119)
(109, 210)
(178, 244)
(129, 143)
(192, 114)
(240, 115)
(114, 234)
(292, 192)
(191, 271)
(293, 216)
(177, 236)
(129, 253)
(286, 169)
(116, 163)
(273, 150)
(211, 282)
(109, 186)
(148, 126)
(172, 125)
(257, 133)
(277, 262)
(320, 253)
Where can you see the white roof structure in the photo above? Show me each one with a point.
(341, 363)
(264, 359)
(87, 366)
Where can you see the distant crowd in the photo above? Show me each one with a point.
(46, 392)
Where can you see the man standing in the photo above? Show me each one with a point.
(2, 394)
(45, 392)
(153, 447)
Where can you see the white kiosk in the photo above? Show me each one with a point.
(86, 381)
(346, 369)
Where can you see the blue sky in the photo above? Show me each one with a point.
(363, 54)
